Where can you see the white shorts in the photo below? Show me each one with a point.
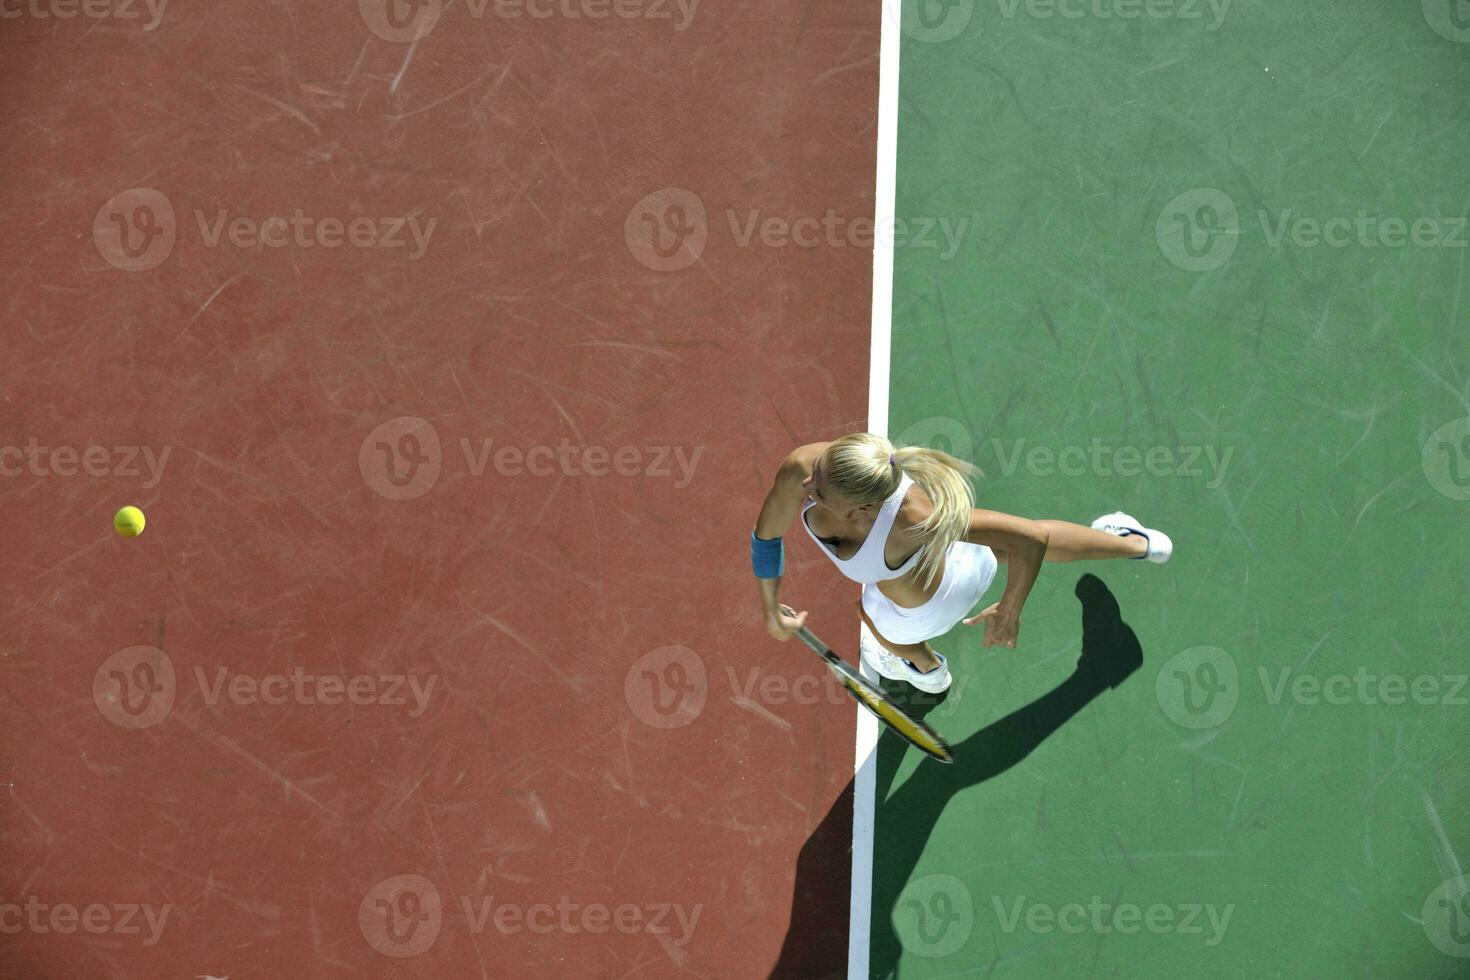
(968, 571)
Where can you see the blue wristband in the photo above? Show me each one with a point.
(767, 558)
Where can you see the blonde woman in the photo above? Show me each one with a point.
(901, 521)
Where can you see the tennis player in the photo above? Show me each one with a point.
(901, 521)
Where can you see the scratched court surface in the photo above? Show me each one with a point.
(1214, 277)
(437, 356)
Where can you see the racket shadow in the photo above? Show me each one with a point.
(1111, 653)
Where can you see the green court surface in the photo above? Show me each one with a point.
(1210, 270)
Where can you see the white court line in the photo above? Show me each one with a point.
(865, 761)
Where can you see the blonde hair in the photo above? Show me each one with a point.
(867, 469)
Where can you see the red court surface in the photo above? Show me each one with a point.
(369, 698)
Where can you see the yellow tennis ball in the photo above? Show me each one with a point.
(129, 522)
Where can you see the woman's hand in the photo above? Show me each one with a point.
(1001, 625)
(784, 622)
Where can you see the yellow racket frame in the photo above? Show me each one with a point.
(870, 696)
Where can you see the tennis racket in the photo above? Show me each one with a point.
(871, 696)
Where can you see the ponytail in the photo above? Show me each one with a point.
(867, 469)
(943, 478)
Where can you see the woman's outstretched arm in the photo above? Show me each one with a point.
(781, 508)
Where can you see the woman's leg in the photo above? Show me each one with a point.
(1075, 542)
(921, 655)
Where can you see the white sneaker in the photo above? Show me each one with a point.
(1160, 545)
(934, 681)
(876, 656)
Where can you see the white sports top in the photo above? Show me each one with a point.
(869, 565)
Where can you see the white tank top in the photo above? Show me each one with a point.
(869, 565)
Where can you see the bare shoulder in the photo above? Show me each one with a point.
(783, 500)
(797, 465)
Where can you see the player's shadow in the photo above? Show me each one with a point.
(816, 940)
